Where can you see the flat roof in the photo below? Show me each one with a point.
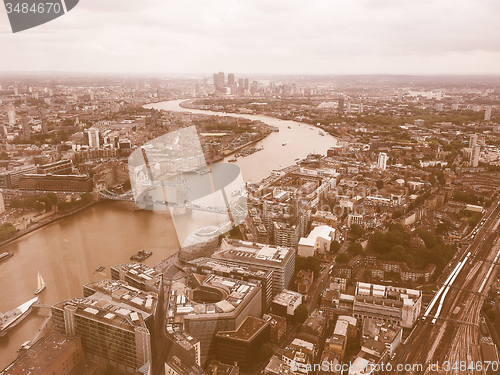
(250, 328)
(286, 297)
(253, 252)
(42, 355)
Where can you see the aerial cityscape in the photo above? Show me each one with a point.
(297, 219)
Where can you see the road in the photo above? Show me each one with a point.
(451, 333)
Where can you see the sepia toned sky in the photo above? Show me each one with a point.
(262, 36)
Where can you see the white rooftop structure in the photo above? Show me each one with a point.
(318, 240)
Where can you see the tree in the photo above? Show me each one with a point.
(312, 264)
(64, 206)
(355, 249)
(51, 199)
(442, 228)
(6, 230)
(342, 258)
(474, 219)
(335, 246)
(397, 226)
(39, 206)
(301, 313)
(86, 198)
(357, 231)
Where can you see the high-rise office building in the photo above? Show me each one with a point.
(230, 79)
(400, 94)
(115, 322)
(280, 260)
(207, 304)
(219, 81)
(341, 105)
(473, 140)
(474, 156)
(26, 131)
(2, 204)
(93, 137)
(139, 276)
(57, 354)
(250, 273)
(11, 113)
(255, 87)
(242, 345)
(286, 234)
(487, 113)
(382, 161)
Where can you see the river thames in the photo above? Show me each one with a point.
(68, 252)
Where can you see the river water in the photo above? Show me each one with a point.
(67, 252)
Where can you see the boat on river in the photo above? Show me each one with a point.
(5, 256)
(41, 284)
(12, 318)
(141, 255)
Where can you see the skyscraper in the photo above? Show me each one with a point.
(116, 323)
(474, 156)
(93, 137)
(230, 79)
(26, 131)
(2, 204)
(341, 105)
(487, 113)
(473, 140)
(382, 161)
(219, 81)
(254, 87)
(11, 112)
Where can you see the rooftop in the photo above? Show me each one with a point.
(214, 295)
(42, 354)
(250, 328)
(380, 330)
(141, 273)
(115, 303)
(182, 368)
(125, 293)
(286, 297)
(407, 296)
(222, 266)
(238, 250)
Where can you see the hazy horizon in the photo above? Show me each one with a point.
(280, 37)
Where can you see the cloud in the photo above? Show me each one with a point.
(319, 36)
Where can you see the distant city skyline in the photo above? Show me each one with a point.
(285, 37)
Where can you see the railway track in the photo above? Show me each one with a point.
(449, 331)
